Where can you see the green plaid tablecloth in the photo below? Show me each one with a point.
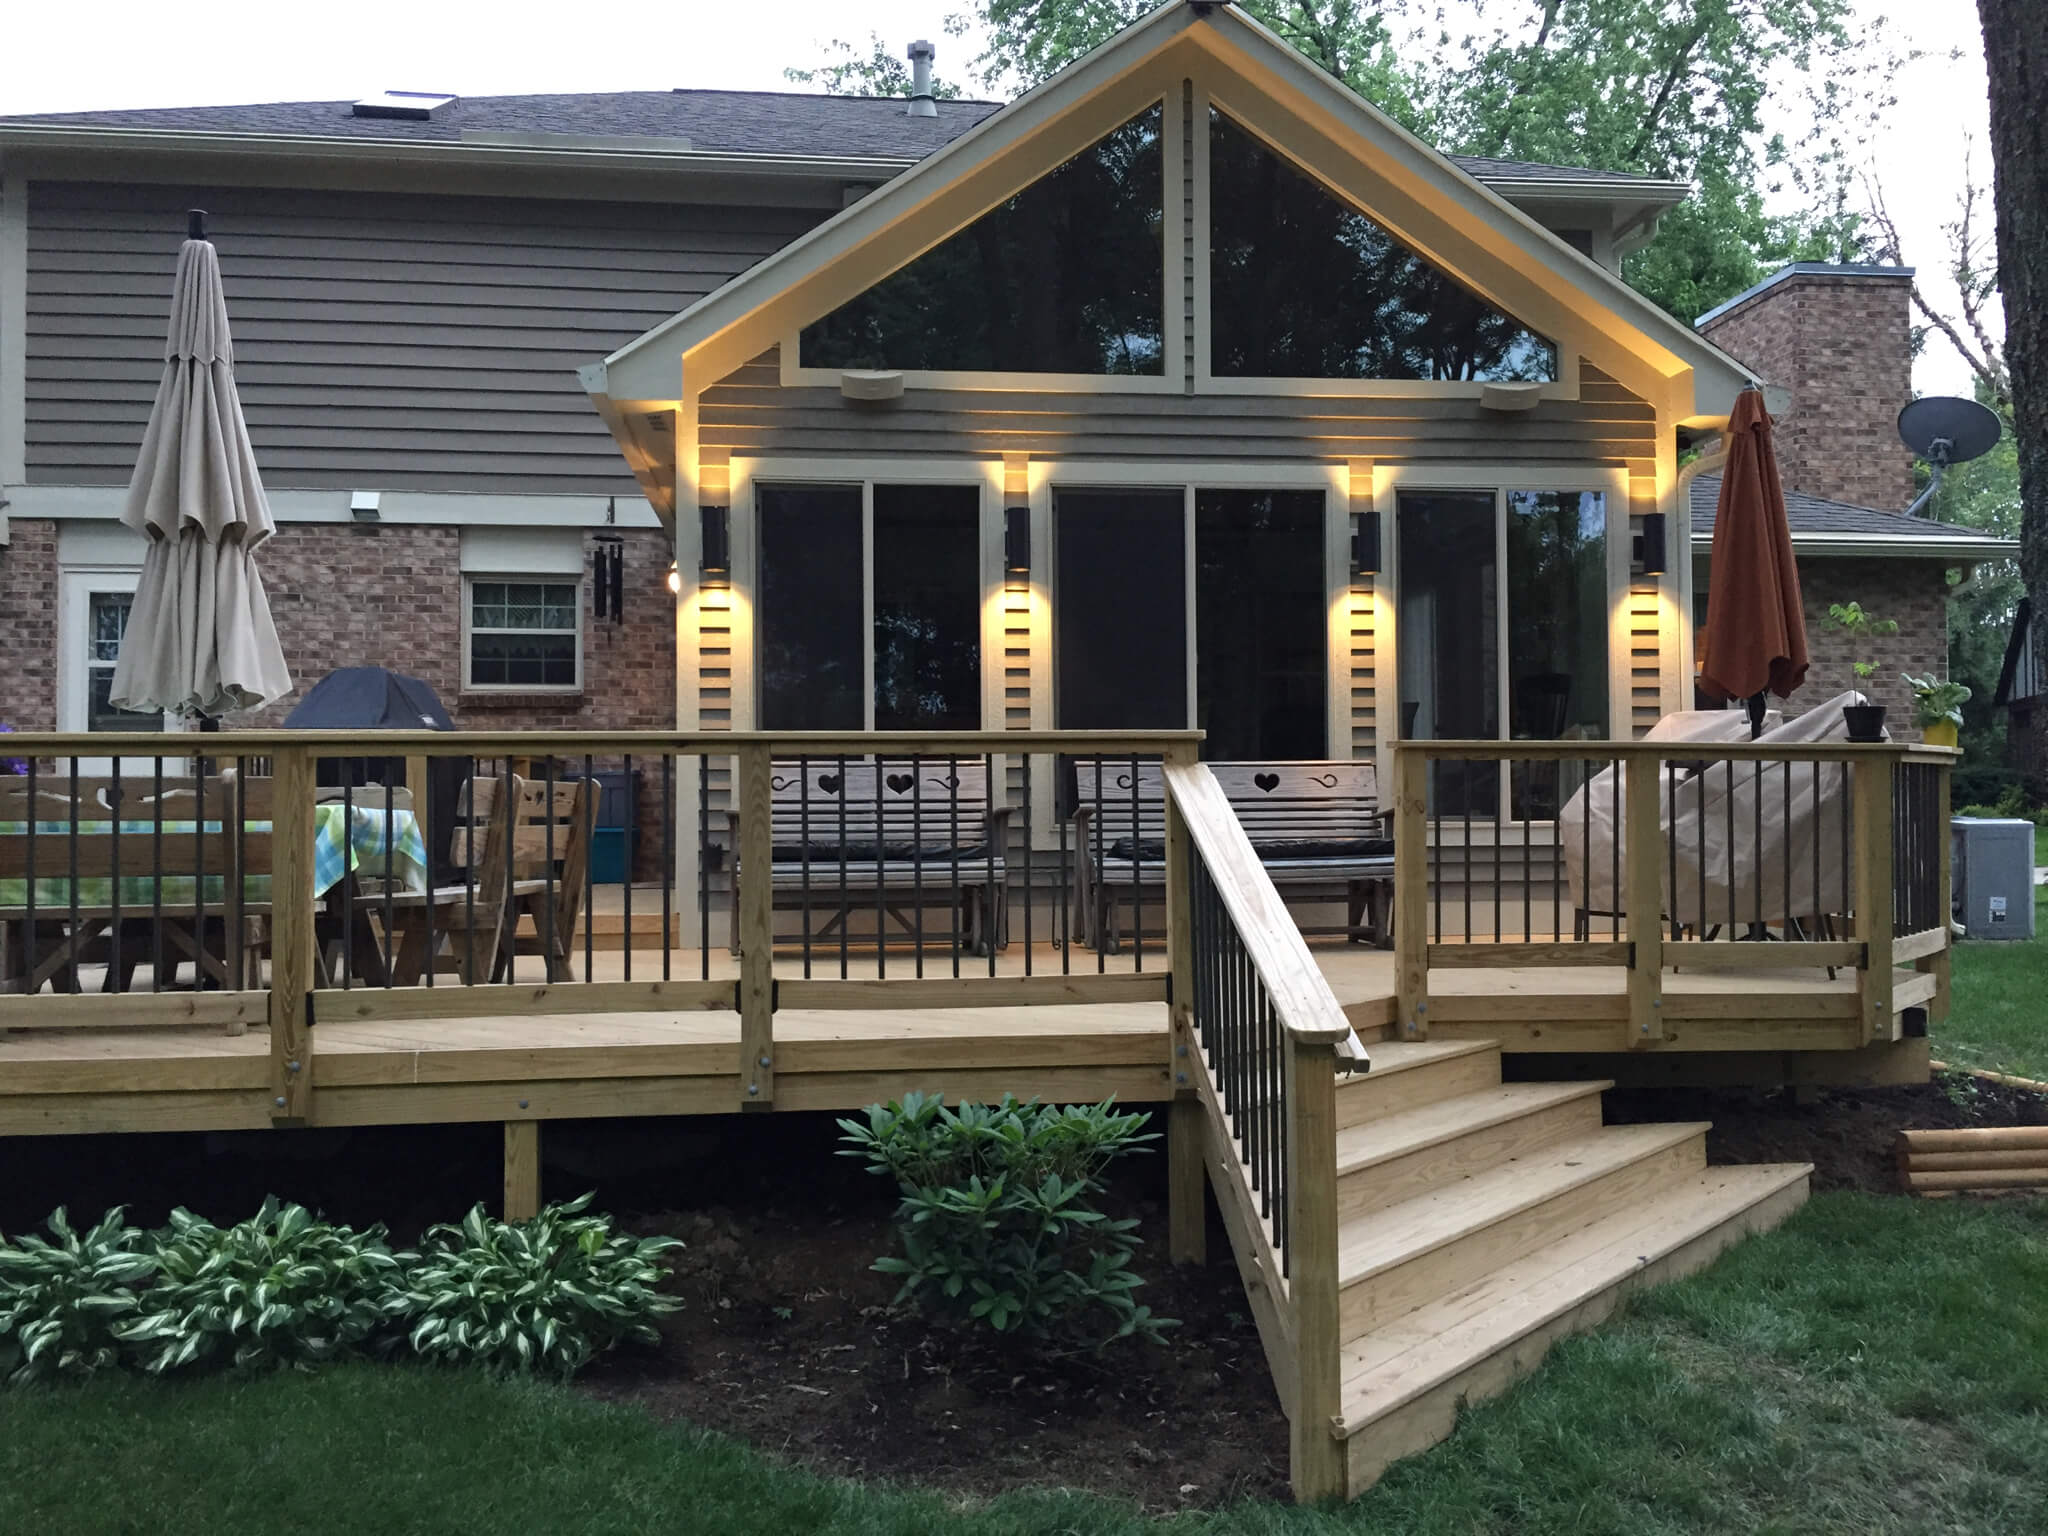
(341, 842)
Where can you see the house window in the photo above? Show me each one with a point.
(1262, 626)
(897, 650)
(1304, 286)
(1120, 630)
(1503, 632)
(106, 621)
(1068, 276)
(524, 634)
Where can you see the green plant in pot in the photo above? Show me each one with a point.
(1865, 721)
(1937, 708)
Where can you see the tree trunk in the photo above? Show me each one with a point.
(2016, 58)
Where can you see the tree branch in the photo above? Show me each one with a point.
(1984, 359)
(1672, 76)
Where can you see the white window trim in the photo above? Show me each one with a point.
(1388, 480)
(745, 542)
(75, 584)
(1565, 387)
(1168, 381)
(542, 578)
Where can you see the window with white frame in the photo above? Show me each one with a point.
(106, 621)
(523, 633)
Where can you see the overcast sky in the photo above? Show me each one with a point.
(144, 53)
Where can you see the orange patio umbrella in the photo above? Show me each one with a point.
(1755, 635)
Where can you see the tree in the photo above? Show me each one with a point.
(847, 71)
(2016, 57)
(1975, 274)
(1649, 87)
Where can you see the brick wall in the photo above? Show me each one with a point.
(1841, 345)
(387, 595)
(1914, 592)
(28, 627)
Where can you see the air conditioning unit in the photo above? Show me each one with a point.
(1993, 867)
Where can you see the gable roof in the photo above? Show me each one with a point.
(773, 123)
(1705, 379)
(1821, 526)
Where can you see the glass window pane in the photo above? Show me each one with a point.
(927, 607)
(1261, 625)
(1449, 636)
(1302, 285)
(810, 608)
(1065, 277)
(109, 621)
(1557, 633)
(1120, 610)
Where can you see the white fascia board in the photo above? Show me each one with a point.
(1900, 546)
(451, 152)
(443, 508)
(647, 367)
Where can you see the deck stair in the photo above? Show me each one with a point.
(1478, 1221)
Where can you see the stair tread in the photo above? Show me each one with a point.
(1379, 1240)
(1390, 1056)
(1429, 1125)
(1412, 1354)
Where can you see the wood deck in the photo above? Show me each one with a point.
(529, 1051)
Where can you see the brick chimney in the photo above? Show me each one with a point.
(1838, 340)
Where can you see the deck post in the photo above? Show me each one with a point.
(1411, 890)
(522, 1170)
(1942, 963)
(1316, 1459)
(753, 799)
(1871, 829)
(1645, 902)
(291, 938)
(1186, 1213)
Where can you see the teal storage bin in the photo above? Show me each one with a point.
(609, 855)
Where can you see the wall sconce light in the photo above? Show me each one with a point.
(1017, 545)
(715, 559)
(675, 580)
(1655, 556)
(1365, 545)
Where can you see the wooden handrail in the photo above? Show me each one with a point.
(1308, 1009)
(1684, 751)
(525, 743)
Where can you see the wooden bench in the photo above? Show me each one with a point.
(894, 838)
(1317, 827)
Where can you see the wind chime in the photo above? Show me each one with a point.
(608, 573)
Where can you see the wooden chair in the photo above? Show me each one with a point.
(551, 827)
(474, 918)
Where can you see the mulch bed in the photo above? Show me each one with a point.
(791, 1342)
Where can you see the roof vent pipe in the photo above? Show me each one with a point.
(921, 103)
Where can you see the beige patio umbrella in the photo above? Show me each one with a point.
(200, 641)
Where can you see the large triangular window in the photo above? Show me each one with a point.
(1066, 277)
(1304, 286)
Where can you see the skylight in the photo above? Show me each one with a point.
(416, 106)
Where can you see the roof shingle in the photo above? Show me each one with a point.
(1816, 514)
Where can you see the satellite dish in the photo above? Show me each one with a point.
(1945, 430)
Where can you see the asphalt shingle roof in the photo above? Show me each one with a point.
(1816, 514)
(734, 122)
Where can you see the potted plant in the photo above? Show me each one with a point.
(1865, 721)
(1937, 708)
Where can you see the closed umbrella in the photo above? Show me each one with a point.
(1755, 635)
(200, 640)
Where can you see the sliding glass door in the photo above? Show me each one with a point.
(869, 607)
(1120, 630)
(1261, 624)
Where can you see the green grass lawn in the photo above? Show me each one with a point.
(1876, 1366)
(2000, 1015)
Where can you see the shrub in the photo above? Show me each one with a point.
(62, 1299)
(996, 1222)
(279, 1288)
(546, 1294)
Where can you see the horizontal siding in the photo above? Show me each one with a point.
(400, 341)
(750, 413)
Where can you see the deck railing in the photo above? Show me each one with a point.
(1673, 856)
(1263, 1041)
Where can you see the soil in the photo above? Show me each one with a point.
(791, 1342)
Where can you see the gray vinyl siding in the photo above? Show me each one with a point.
(394, 340)
(751, 414)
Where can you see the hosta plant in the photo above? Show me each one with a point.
(997, 1223)
(279, 1288)
(540, 1295)
(63, 1298)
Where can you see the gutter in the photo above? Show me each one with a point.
(1958, 546)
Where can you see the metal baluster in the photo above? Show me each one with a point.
(992, 914)
(704, 866)
(198, 878)
(630, 840)
(1063, 896)
(348, 878)
(1756, 789)
(548, 877)
(917, 865)
(114, 980)
(1100, 910)
(1817, 832)
(881, 865)
(1527, 886)
(1671, 842)
(469, 878)
(844, 908)
(348, 837)
(803, 832)
(1614, 860)
(508, 914)
(953, 859)
(1433, 834)
(1028, 892)
(668, 862)
(1137, 862)
(1785, 853)
(1848, 794)
(423, 813)
(1465, 794)
(156, 895)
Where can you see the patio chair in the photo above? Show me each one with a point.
(472, 918)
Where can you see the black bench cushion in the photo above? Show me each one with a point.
(891, 853)
(1329, 848)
